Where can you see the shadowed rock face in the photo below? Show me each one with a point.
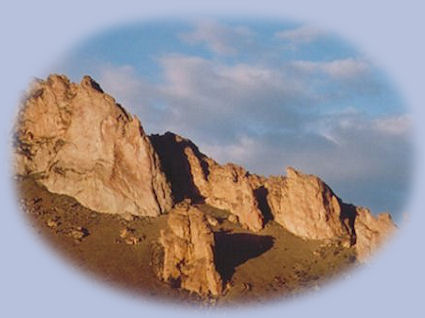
(76, 140)
(174, 161)
(79, 142)
(193, 175)
(188, 244)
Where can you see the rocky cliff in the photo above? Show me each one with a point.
(306, 206)
(303, 204)
(195, 176)
(76, 140)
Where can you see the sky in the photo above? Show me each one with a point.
(262, 94)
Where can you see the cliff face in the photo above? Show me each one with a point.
(195, 176)
(79, 142)
(305, 205)
(371, 232)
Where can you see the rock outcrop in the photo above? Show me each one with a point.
(371, 232)
(78, 141)
(306, 206)
(200, 178)
(188, 244)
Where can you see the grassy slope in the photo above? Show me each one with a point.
(255, 266)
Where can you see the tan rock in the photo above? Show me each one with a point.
(128, 236)
(232, 218)
(306, 206)
(78, 141)
(371, 232)
(78, 233)
(212, 220)
(200, 178)
(228, 188)
(188, 244)
(52, 223)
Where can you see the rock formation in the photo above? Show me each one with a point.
(371, 232)
(193, 175)
(306, 206)
(78, 141)
(188, 244)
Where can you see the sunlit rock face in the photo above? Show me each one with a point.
(305, 206)
(188, 245)
(371, 232)
(78, 141)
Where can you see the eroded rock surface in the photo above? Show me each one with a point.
(306, 206)
(188, 244)
(78, 141)
(371, 232)
(199, 177)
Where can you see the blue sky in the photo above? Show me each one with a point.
(263, 94)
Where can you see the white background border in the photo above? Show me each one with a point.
(36, 283)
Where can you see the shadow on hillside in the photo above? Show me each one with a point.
(232, 250)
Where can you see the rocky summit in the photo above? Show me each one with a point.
(74, 139)
(80, 142)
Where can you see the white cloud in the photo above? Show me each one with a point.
(219, 38)
(303, 34)
(395, 125)
(340, 69)
(220, 100)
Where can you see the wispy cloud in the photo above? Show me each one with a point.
(341, 69)
(300, 35)
(219, 38)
